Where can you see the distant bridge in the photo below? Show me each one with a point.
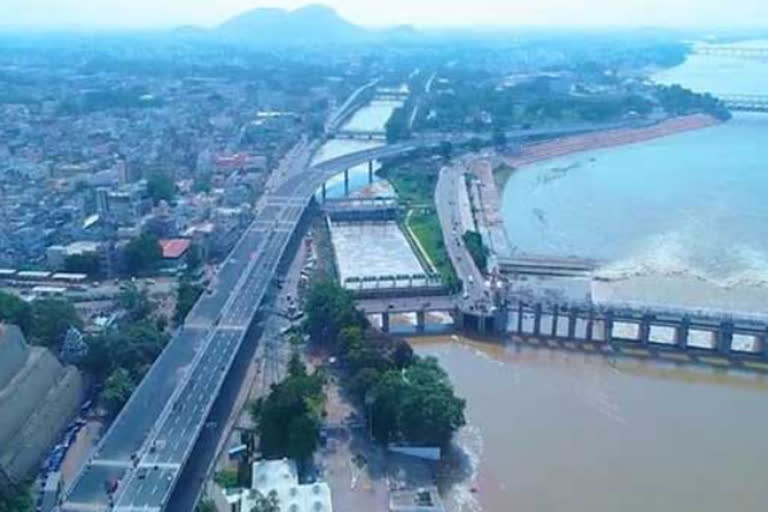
(746, 102)
(731, 51)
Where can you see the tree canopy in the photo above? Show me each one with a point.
(289, 418)
(408, 399)
(44, 322)
(160, 187)
(141, 255)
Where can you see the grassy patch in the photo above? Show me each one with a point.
(414, 184)
(426, 228)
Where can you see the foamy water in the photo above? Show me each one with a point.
(689, 208)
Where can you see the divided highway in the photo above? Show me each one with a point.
(138, 462)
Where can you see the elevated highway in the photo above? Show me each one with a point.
(138, 462)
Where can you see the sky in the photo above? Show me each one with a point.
(424, 13)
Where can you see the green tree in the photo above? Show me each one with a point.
(160, 187)
(51, 319)
(479, 252)
(117, 390)
(227, 478)
(288, 418)
(429, 412)
(303, 434)
(89, 264)
(499, 138)
(141, 254)
(135, 302)
(15, 311)
(330, 308)
(206, 505)
(16, 498)
(397, 126)
(186, 297)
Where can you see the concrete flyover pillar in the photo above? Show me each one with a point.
(725, 338)
(323, 192)
(346, 182)
(555, 320)
(421, 321)
(591, 325)
(370, 171)
(573, 315)
(537, 319)
(609, 327)
(682, 333)
(458, 319)
(385, 322)
(519, 318)
(765, 343)
(481, 327)
(645, 329)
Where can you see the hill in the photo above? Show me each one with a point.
(310, 24)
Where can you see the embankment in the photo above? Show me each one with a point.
(610, 138)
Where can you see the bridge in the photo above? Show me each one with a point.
(360, 135)
(745, 102)
(349, 107)
(547, 266)
(731, 51)
(620, 328)
(140, 459)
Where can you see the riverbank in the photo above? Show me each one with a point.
(606, 139)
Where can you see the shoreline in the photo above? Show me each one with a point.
(547, 150)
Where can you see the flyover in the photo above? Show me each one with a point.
(138, 462)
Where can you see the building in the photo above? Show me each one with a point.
(38, 397)
(280, 477)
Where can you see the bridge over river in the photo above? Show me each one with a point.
(138, 463)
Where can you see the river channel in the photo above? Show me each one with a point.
(679, 219)
(676, 219)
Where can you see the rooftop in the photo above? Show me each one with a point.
(174, 248)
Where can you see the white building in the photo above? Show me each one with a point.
(281, 478)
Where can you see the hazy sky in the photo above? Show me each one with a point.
(153, 13)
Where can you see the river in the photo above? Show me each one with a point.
(676, 220)
(681, 220)
(550, 431)
(372, 117)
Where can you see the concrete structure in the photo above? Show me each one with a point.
(619, 328)
(38, 396)
(420, 500)
(280, 479)
(746, 102)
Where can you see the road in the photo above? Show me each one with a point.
(137, 463)
(475, 291)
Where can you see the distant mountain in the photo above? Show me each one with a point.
(310, 24)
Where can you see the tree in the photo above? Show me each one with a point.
(206, 505)
(117, 390)
(141, 254)
(135, 302)
(303, 433)
(160, 187)
(51, 319)
(479, 252)
(289, 417)
(430, 412)
(16, 498)
(397, 126)
(268, 503)
(186, 297)
(194, 258)
(15, 311)
(403, 356)
(88, 263)
(329, 308)
(226, 478)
